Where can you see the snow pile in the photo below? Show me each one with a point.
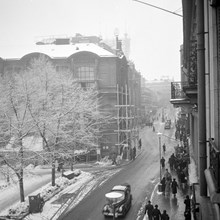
(22, 208)
(104, 161)
(49, 190)
(46, 192)
(76, 172)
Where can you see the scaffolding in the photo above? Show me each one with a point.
(127, 121)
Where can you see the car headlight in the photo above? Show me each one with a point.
(105, 208)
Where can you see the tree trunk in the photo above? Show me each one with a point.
(21, 185)
(53, 172)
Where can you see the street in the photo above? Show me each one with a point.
(142, 174)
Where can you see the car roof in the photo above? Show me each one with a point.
(122, 187)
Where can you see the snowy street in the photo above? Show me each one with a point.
(142, 174)
(85, 198)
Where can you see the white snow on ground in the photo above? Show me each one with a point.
(83, 184)
(50, 209)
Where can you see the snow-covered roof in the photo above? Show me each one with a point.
(53, 51)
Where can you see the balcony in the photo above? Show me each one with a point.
(183, 93)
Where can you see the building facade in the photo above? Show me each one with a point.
(198, 96)
(93, 64)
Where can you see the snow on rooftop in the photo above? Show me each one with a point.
(53, 51)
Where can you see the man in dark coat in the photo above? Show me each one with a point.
(163, 183)
(174, 187)
(164, 148)
(134, 152)
(149, 210)
(165, 216)
(187, 203)
(156, 213)
(162, 161)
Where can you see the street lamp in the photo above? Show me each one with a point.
(113, 198)
(159, 136)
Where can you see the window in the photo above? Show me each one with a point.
(86, 72)
(87, 84)
(62, 68)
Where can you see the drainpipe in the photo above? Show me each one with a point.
(201, 95)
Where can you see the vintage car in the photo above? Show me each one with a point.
(120, 204)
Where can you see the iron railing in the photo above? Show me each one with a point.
(177, 90)
(214, 158)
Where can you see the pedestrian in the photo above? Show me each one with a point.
(171, 161)
(156, 213)
(164, 148)
(187, 203)
(174, 187)
(187, 215)
(139, 143)
(167, 175)
(164, 215)
(149, 210)
(167, 187)
(162, 162)
(182, 178)
(163, 183)
(114, 159)
(134, 153)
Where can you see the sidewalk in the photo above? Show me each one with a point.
(174, 206)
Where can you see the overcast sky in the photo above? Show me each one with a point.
(155, 35)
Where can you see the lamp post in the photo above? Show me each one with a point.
(113, 198)
(159, 185)
(159, 136)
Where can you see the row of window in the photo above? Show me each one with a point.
(83, 73)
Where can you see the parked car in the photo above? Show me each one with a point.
(123, 204)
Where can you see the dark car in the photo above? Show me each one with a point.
(123, 204)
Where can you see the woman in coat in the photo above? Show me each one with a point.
(174, 187)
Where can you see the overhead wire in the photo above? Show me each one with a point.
(154, 6)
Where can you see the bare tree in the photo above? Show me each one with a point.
(15, 125)
(65, 115)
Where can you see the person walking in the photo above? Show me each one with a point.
(149, 210)
(174, 187)
(162, 162)
(182, 178)
(156, 213)
(187, 215)
(163, 183)
(164, 215)
(139, 143)
(187, 203)
(167, 175)
(164, 148)
(134, 153)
